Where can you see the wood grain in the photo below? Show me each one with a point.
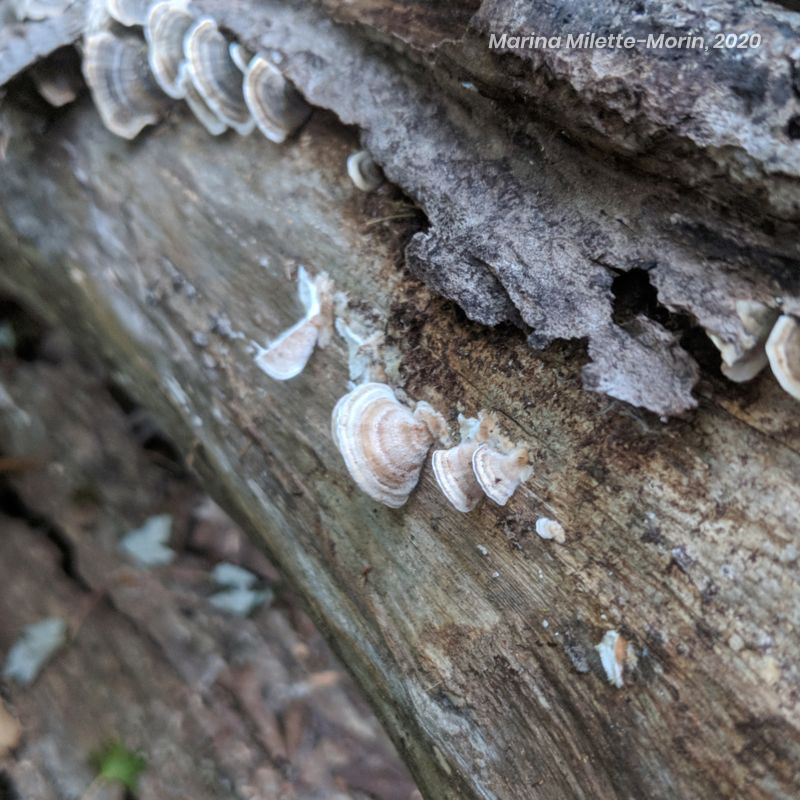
(169, 255)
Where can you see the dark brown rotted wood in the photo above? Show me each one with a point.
(473, 637)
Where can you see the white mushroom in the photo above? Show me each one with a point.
(783, 351)
(382, 442)
(452, 468)
(286, 356)
(744, 358)
(126, 96)
(363, 171)
(215, 75)
(500, 473)
(165, 28)
(277, 107)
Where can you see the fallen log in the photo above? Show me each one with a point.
(474, 637)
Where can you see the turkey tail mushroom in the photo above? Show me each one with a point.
(383, 443)
(452, 468)
(165, 28)
(500, 474)
(123, 88)
(277, 107)
(58, 78)
(744, 358)
(216, 76)
(783, 351)
(198, 106)
(287, 356)
(240, 56)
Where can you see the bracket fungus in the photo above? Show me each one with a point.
(129, 12)
(744, 359)
(97, 18)
(165, 28)
(123, 88)
(240, 56)
(277, 107)
(286, 356)
(783, 351)
(216, 76)
(197, 105)
(452, 468)
(500, 471)
(363, 171)
(384, 443)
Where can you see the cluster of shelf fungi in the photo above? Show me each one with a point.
(383, 442)
(140, 56)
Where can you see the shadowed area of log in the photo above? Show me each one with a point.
(168, 256)
(219, 706)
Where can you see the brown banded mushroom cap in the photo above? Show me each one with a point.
(286, 357)
(783, 351)
(500, 474)
(383, 443)
(123, 88)
(197, 105)
(452, 468)
(215, 76)
(165, 28)
(277, 107)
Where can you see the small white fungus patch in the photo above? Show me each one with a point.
(550, 529)
(612, 652)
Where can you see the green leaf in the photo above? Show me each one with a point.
(117, 763)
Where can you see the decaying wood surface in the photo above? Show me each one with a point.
(220, 707)
(474, 638)
(23, 44)
(531, 133)
(169, 255)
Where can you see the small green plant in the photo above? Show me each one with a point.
(115, 763)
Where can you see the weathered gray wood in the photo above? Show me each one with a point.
(22, 44)
(171, 254)
(525, 224)
(723, 121)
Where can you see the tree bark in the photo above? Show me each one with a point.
(473, 637)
